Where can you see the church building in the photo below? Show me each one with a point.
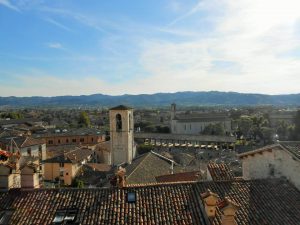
(195, 123)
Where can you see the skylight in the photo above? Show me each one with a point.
(131, 197)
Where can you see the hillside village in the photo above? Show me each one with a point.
(206, 158)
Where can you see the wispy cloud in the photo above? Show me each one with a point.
(8, 4)
(192, 11)
(251, 35)
(55, 45)
(54, 22)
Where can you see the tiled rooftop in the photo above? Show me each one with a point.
(220, 172)
(77, 155)
(291, 146)
(177, 177)
(145, 168)
(22, 142)
(261, 202)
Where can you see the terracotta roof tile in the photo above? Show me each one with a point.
(177, 177)
(261, 202)
(220, 172)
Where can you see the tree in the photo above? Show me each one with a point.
(282, 130)
(267, 135)
(297, 126)
(244, 125)
(214, 129)
(84, 120)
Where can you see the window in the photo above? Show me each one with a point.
(118, 122)
(67, 174)
(50, 142)
(74, 140)
(67, 140)
(58, 141)
(131, 197)
(92, 139)
(61, 173)
(81, 139)
(65, 216)
(29, 151)
(61, 164)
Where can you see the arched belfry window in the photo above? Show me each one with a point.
(118, 122)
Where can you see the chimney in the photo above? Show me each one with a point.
(228, 209)
(210, 200)
(121, 178)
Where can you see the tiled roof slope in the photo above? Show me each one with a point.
(75, 156)
(145, 168)
(177, 177)
(220, 172)
(292, 147)
(120, 107)
(262, 202)
(22, 142)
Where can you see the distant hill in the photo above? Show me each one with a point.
(158, 99)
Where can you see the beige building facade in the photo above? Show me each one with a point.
(121, 135)
(274, 161)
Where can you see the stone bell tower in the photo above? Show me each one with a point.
(121, 134)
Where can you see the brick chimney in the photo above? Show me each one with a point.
(210, 200)
(121, 178)
(228, 209)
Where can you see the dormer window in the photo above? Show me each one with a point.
(118, 122)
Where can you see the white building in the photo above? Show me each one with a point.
(195, 123)
(281, 160)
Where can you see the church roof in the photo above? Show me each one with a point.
(120, 107)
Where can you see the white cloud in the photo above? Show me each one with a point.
(252, 34)
(54, 22)
(8, 4)
(55, 45)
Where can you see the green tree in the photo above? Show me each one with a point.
(84, 120)
(297, 126)
(245, 123)
(214, 129)
(267, 135)
(282, 130)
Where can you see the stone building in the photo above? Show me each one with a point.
(83, 136)
(121, 135)
(281, 160)
(196, 123)
(65, 167)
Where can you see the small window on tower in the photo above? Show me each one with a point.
(118, 122)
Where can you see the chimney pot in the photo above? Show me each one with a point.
(210, 200)
(121, 178)
(228, 209)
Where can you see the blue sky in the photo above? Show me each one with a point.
(64, 47)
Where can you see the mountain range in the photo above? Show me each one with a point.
(152, 100)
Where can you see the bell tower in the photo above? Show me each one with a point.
(121, 135)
